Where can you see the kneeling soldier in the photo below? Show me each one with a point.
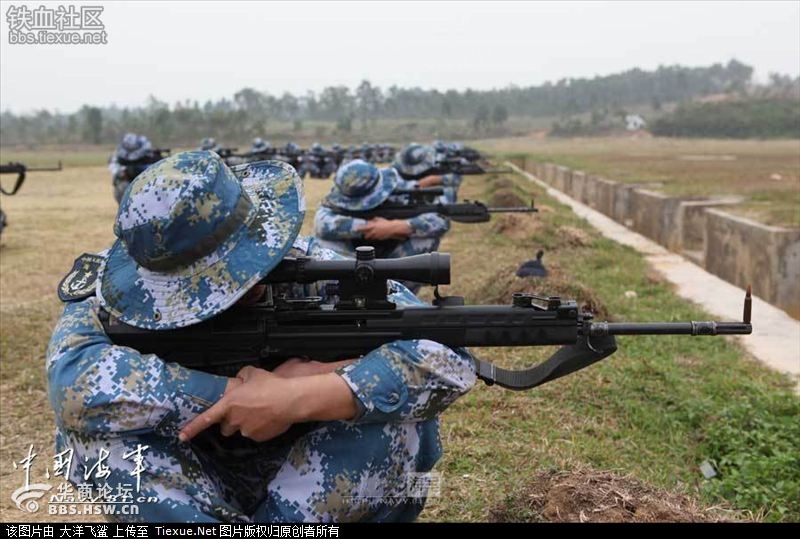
(310, 441)
(361, 186)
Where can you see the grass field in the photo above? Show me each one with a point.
(766, 173)
(650, 415)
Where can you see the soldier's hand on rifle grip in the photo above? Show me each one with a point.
(430, 181)
(265, 405)
(379, 228)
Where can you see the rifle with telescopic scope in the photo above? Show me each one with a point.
(362, 318)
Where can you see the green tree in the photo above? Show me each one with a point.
(499, 115)
(481, 119)
(92, 124)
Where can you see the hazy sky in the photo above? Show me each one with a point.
(209, 50)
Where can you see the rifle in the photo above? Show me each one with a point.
(226, 153)
(260, 155)
(463, 152)
(134, 167)
(457, 165)
(461, 212)
(20, 170)
(420, 194)
(153, 156)
(362, 319)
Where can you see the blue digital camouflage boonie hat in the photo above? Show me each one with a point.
(260, 145)
(133, 146)
(195, 235)
(361, 186)
(414, 160)
(209, 143)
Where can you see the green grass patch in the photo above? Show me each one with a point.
(650, 411)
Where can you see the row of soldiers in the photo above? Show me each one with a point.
(364, 181)
(317, 161)
(367, 179)
(135, 153)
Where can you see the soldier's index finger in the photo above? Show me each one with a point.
(200, 423)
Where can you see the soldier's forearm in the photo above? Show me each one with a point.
(324, 397)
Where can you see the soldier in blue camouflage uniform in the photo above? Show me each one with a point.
(361, 186)
(260, 146)
(417, 160)
(209, 144)
(314, 442)
(132, 147)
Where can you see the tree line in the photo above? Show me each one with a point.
(250, 112)
(751, 118)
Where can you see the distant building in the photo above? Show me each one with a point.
(634, 122)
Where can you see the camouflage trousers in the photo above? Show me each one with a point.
(323, 472)
(386, 249)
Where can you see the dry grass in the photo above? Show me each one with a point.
(767, 173)
(598, 496)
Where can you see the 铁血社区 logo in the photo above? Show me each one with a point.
(60, 25)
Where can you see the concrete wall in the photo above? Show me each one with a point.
(744, 252)
(693, 220)
(562, 179)
(621, 211)
(656, 216)
(604, 196)
(736, 249)
(577, 185)
(590, 191)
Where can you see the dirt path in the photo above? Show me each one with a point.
(776, 336)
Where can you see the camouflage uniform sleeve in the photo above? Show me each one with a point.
(452, 180)
(316, 251)
(331, 226)
(408, 380)
(97, 387)
(428, 225)
(407, 184)
(113, 165)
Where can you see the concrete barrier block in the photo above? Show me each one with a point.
(744, 252)
(577, 185)
(604, 196)
(693, 220)
(562, 179)
(549, 173)
(590, 191)
(622, 203)
(656, 216)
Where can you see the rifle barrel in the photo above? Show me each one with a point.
(513, 209)
(420, 191)
(669, 328)
(45, 169)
